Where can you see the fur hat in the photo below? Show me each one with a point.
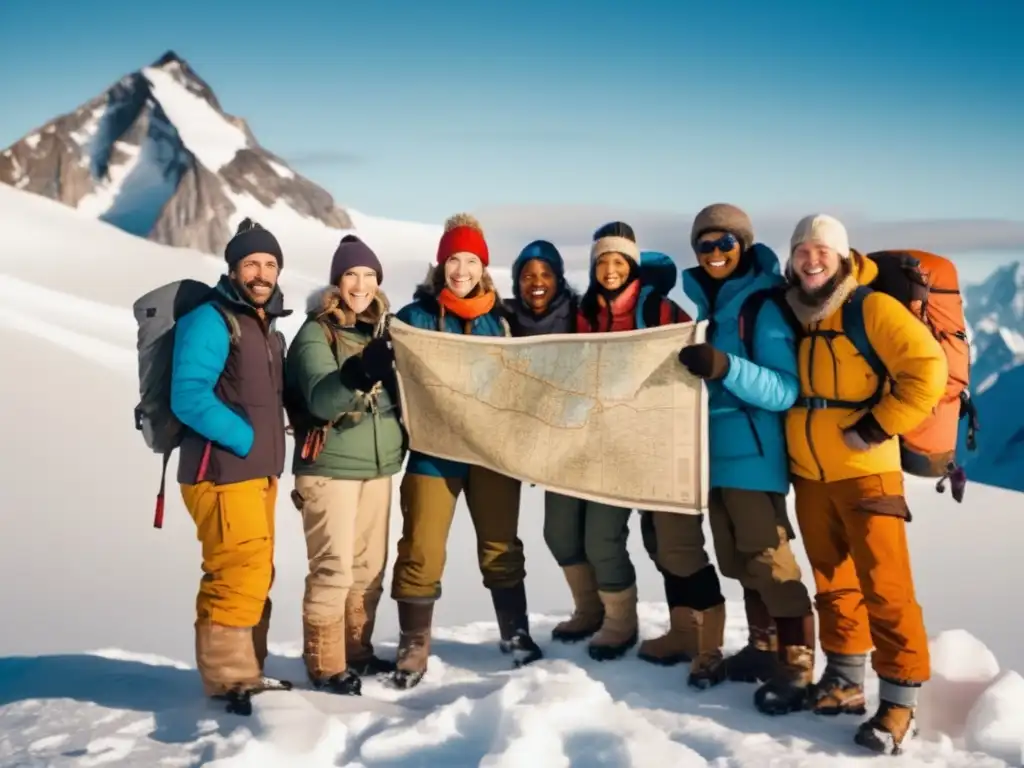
(353, 252)
(251, 238)
(824, 229)
(463, 234)
(615, 237)
(725, 218)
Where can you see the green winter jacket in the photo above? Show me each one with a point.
(368, 439)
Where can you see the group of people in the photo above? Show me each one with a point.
(767, 433)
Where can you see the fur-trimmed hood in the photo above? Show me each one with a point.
(327, 302)
(432, 284)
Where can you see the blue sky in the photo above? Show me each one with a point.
(896, 109)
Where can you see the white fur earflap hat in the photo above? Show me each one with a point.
(824, 229)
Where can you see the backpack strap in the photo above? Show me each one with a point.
(854, 329)
(751, 308)
(234, 328)
(648, 308)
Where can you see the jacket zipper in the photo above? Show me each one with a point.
(810, 410)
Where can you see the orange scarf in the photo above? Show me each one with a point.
(469, 308)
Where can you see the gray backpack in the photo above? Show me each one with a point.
(156, 314)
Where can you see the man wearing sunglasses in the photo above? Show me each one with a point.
(750, 368)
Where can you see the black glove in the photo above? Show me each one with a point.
(869, 430)
(705, 361)
(378, 359)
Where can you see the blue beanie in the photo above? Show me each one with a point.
(546, 252)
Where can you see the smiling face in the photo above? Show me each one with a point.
(814, 264)
(256, 275)
(462, 273)
(358, 286)
(719, 253)
(612, 271)
(537, 285)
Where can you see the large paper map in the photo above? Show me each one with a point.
(610, 417)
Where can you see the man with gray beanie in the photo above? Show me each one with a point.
(844, 456)
(227, 376)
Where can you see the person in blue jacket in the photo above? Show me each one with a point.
(749, 364)
(458, 297)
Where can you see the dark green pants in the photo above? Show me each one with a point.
(578, 531)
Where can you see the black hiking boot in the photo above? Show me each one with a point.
(239, 700)
(345, 683)
(372, 666)
(514, 625)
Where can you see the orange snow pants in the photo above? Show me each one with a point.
(235, 525)
(854, 532)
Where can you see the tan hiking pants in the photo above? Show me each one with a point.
(346, 526)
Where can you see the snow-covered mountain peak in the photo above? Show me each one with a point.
(994, 310)
(157, 156)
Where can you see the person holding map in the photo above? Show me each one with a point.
(590, 535)
(458, 296)
(748, 363)
(545, 303)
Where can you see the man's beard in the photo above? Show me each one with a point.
(819, 295)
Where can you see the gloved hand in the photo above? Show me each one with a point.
(705, 361)
(864, 434)
(378, 359)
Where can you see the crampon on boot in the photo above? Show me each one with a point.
(514, 625)
(791, 688)
(756, 662)
(345, 683)
(886, 732)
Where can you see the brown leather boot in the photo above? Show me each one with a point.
(677, 645)
(588, 610)
(618, 632)
(791, 688)
(414, 621)
(323, 650)
(888, 729)
(707, 629)
(259, 635)
(756, 661)
(360, 619)
(226, 658)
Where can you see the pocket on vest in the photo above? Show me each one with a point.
(732, 435)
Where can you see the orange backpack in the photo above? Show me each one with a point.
(928, 285)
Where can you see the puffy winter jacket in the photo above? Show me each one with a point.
(746, 409)
(366, 443)
(830, 367)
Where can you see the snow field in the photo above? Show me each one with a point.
(84, 570)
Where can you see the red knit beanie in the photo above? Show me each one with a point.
(462, 234)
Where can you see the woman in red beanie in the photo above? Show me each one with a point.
(458, 296)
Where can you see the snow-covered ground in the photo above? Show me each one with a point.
(96, 607)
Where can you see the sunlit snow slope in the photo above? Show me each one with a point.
(97, 606)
